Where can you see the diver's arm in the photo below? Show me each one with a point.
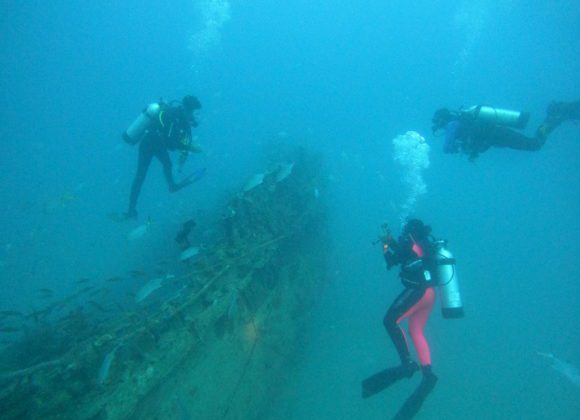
(452, 132)
(390, 252)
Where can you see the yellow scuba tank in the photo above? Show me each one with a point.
(496, 116)
(134, 134)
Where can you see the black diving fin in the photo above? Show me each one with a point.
(385, 378)
(415, 401)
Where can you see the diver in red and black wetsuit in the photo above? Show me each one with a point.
(413, 251)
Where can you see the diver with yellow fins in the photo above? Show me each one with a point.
(474, 130)
(160, 128)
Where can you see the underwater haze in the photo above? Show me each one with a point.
(344, 78)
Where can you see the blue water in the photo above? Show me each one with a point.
(344, 78)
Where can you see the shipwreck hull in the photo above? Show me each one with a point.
(221, 348)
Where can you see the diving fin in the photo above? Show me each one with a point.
(188, 180)
(385, 378)
(415, 401)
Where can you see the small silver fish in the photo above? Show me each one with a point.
(188, 253)
(254, 182)
(233, 307)
(106, 366)
(568, 370)
(139, 231)
(151, 286)
(284, 171)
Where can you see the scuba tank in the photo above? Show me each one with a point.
(448, 284)
(134, 134)
(496, 116)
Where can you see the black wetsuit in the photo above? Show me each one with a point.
(416, 300)
(474, 137)
(171, 131)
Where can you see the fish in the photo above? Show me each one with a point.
(189, 253)
(105, 368)
(97, 305)
(46, 291)
(114, 279)
(9, 329)
(7, 313)
(568, 370)
(254, 182)
(149, 288)
(139, 231)
(136, 273)
(85, 289)
(233, 306)
(61, 202)
(284, 171)
(82, 281)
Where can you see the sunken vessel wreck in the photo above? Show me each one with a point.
(218, 348)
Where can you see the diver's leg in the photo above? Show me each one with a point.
(556, 114)
(397, 312)
(143, 162)
(163, 156)
(417, 323)
(505, 137)
(165, 160)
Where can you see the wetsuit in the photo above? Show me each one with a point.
(414, 253)
(171, 131)
(416, 301)
(474, 137)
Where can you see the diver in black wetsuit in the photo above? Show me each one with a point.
(476, 129)
(169, 129)
(415, 253)
(182, 237)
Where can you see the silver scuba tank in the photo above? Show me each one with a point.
(447, 281)
(497, 116)
(134, 134)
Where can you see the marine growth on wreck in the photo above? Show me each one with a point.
(218, 347)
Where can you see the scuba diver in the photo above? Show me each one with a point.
(415, 252)
(182, 237)
(474, 130)
(161, 128)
